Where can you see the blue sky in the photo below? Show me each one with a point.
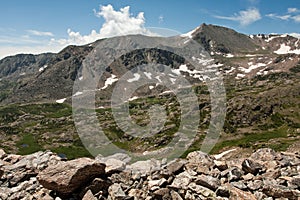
(34, 26)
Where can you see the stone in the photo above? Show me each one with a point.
(182, 180)
(221, 165)
(162, 193)
(2, 154)
(232, 174)
(236, 193)
(66, 177)
(240, 185)
(97, 185)
(248, 177)
(255, 185)
(265, 154)
(118, 156)
(159, 183)
(175, 195)
(201, 190)
(137, 194)
(116, 192)
(173, 167)
(199, 162)
(249, 166)
(278, 191)
(208, 181)
(144, 167)
(89, 196)
(114, 165)
(223, 191)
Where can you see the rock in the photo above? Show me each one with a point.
(137, 194)
(162, 193)
(208, 181)
(66, 177)
(118, 156)
(2, 154)
(221, 165)
(232, 174)
(198, 189)
(223, 191)
(157, 183)
(278, 191)
(144, 167)
(116, 192)
(240, 185)
(265, 154)
(249, 166)
(236, 194)
(295, 181)
(182, 180)
(89, 196)
(255, 185)
(114, 165)
(248, 177)
(175, 196)
(199, 162)
(97, 185)
(173, 167)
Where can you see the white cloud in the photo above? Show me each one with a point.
(40, 33)
(291, 15)
(244, 17)
(116, 23)
(293, 10)
(296, 18)
(282, 17)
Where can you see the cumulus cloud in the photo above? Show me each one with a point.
(40, 33)
(244, 17)
(116, 23)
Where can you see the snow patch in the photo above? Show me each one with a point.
(284, 49)
(135, 78)
(133, 98)
(77, 94)
(81, 78)
(229, 71)
(151, 87)
(252, 67)
(238, 76)
(109, 81)
(148, 75)
(43, 68)
(61, 100)
(229, 55)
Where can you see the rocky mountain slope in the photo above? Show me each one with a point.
(263, 174)
(260, 73)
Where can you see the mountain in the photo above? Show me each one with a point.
(260, 75)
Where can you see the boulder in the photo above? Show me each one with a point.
(116, 192)
(236, 193)
(250, 166)
(208, 181)
(89, 196)
(199, 162)
(66, 177)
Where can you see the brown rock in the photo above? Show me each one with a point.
(237, 194)
(278, 191)
(199, 162)
(250, 166)
(66, 177)
(89, 196)
(209, 182)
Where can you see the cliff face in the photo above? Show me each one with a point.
(263, 174)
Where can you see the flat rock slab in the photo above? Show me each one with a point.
(66, 177)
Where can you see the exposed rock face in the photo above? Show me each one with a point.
(44, 175)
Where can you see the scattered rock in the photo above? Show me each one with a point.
(43, 175)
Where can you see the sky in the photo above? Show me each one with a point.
(36, 26)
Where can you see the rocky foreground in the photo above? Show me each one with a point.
(265, 174)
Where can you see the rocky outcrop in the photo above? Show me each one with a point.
(264, 175)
